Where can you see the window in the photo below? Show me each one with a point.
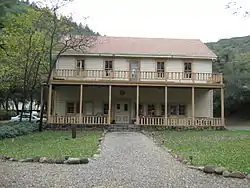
(177, 109)
(118, 106)
(187, 70)
(151, 110)
(70, 107)
(80, 64)
(160, 69)
(108, 67)
(125, 107)
(173, 109)
(163, 109)
(182, 110)
(105, 109)
(141, 110)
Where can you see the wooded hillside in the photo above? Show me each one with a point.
(234, 62)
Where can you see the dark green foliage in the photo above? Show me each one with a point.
(6, 115)
(14, 129)
(234, 62)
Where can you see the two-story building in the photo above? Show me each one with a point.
(145, 81)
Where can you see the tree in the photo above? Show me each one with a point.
(25, 48)
(62, 38)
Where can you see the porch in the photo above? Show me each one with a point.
(146, 106)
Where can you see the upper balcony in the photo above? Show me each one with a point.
(138, 76)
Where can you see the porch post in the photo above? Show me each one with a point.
(222, 107)
(166, 105)
(109, 113)
(193, 107)
(80, 110)
(54, 103)
(41, 102)
(49, 104)
(137, 104)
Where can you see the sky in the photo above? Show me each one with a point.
(207, 20)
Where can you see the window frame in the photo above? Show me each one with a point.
(152, 112)
(67, 107)
(81, 63)
(160, 69)
(108, 66)
(178, 107)
(187, 72)
(105, 111)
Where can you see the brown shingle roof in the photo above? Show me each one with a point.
(151, 46)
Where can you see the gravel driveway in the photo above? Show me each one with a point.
(127, 160)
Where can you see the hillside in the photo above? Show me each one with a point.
(234, 63)
(230, 46)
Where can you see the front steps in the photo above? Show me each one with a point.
(123, 127)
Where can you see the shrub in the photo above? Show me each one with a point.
(6, 115)
(14, 129)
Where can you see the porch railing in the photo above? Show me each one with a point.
(89, 120)
(155, 121)
(180, 121)
(136, 76)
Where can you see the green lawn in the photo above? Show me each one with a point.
(50, 144)
(230, 149)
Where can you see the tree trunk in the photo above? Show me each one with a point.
(16, 106)
(31, 103)
(23, 105)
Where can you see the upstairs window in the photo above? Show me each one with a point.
(108, 67)
(160, 69)
(187, 70)
(80, 64)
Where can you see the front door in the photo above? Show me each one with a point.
(122, 112)
(134, 66)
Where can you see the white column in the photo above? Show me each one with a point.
(49, 103)
(109, 113)
(137, 104)
(166, 105)
(193, 105)
(222, 107)
(81, 105)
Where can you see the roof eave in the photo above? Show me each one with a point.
(141, 55)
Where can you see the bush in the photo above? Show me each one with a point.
(6, 115)
(14, 129)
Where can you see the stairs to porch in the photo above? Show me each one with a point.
(123, 127)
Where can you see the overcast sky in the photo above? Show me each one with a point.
(207, 20)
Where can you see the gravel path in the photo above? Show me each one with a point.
(127, 160)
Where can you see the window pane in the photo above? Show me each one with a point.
(108, 64)
(151, 110)
(78, 107)
(173, 109)
(105, 108)
(160, 66)
(182, 109)
(163, 110)
(118, 106)
(70, 107)
(187, 67)
(125, 107)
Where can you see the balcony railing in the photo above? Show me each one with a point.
(139, 76)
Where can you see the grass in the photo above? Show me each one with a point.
(229, 149)
(50, 144)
